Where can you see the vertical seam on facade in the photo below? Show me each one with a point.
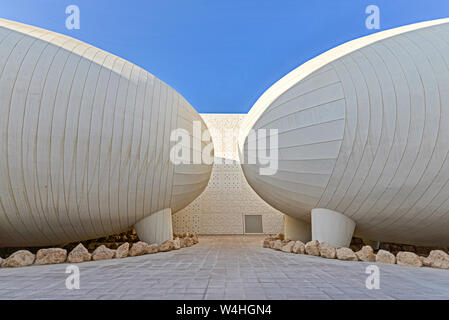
(357, 129)
(44, 213)
(409, 126)
(434, 146)
(67, 198)
(8, 176)
(424, 121)
(394, 132)
(109, 155)
(75, 154)
(430, 158)
(442, 188)
(140, 164)
(87, 162)
(21, 138)
(56, 206)
(121, 144)
(1, 75)
(138, 151)
(381, 130)
(148, 158)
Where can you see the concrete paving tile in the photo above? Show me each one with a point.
(223, 267)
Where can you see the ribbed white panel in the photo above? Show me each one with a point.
(310, 118)
(364, 130)
(189, 180)
(84, 141)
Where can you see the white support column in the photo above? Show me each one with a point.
(296, 229)
(332, 227)
(155, 228)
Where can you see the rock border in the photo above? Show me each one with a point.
(23, 258)
(436, 258)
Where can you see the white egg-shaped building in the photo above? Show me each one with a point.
(85, 142)
(363, 139)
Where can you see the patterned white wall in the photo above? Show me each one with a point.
(364, 130)
(220, 209)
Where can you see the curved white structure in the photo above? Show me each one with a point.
(84, 141)
(364, 131)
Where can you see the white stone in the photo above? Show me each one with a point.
(278, 245)
(138, 249)
(21, 258)
(288, 247)
(103, 253)
(366, 254)
(79, 254)
(437, 259)
(177, 244)
(299, 247)
(122, 251)
(313, 248)
(153, 248)
(266, 243)
(51, 256)
(168, 246)
(346, 254)
(188, 242)
(384, 256)
(327, 250)
(408, 259)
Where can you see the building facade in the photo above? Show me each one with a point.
(85, 143)
(363, 139)
(228, 205)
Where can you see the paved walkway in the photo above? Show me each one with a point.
(223, 267)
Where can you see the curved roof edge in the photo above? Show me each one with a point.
(304, 70)
(5, 23)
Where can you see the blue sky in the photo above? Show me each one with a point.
(221, 55)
